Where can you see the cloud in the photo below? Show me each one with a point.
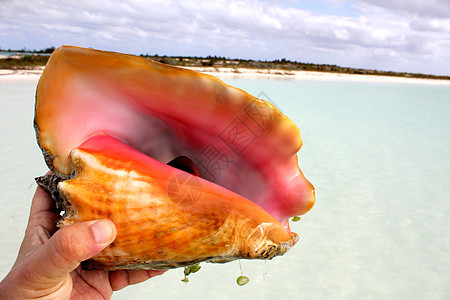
(360, 33)
(428, 9)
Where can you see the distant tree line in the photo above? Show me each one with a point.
(277, 64)
(30, 61)
(25, 50)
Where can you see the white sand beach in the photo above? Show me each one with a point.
(307, 75)
(6, 74)
(258, 73)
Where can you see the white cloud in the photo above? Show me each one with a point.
(375, 34)
(429, 8)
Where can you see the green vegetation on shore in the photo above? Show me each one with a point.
(283, 64)
(23, 62)
(32, 59)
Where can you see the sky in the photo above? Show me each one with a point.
(391, 35)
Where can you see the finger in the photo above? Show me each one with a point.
(49, 265)
(36, 236)
(41, 223)
(41, 201)
(122, 278)
(42, 211)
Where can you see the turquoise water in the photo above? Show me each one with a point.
(378, 154)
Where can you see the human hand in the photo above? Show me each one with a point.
(48, 263)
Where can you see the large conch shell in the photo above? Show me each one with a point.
(108, 123)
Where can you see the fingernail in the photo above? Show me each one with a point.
(102, 231)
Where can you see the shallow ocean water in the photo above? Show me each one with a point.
(378, 154)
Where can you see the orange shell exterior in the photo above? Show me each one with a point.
(157, 228)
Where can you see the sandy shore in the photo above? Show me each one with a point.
(257, 73)
(305, 75)
(33, 74)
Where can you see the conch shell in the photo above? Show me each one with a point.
(108, 123)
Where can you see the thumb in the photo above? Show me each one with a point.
(65, 250)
